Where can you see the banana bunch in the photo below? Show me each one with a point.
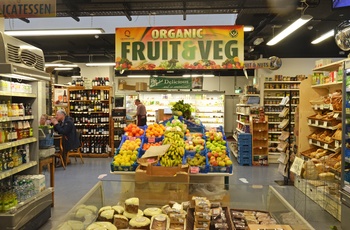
(176, 151)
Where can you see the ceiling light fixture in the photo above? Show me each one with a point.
(100, 64)
(323, 37)
(139, 76)
(56, 32)
(248, 28)
(63, 68)
(198, 75)
(258, 41)
(290, 29)
(60, 65)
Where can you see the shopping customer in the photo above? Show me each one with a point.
(140, 113)
(45, 120)
(64, 125)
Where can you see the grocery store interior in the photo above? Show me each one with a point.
(243, 131)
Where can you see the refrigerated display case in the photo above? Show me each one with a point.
(345, 175)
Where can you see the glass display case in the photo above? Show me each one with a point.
(345, 175)
(111, 191)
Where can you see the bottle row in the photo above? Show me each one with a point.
(22, 188)
(97, 145)
(100, 81)
(15, 109)
(89, 95)
(91, 118)
(95, 106)
(15, 131)
(94, 130)
(13, 157)
(278, 101)
(281, 86)
(8, 86)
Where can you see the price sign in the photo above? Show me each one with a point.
(318, 143)
(310, 141)
(321, 107)
(194, 169)
(336, 115)
(325, 146)
(297, 166)
(316, 122)
(331, 107)
(132, 138)
(336, 144)
(325, 124)
(309, 121)
(151, 139)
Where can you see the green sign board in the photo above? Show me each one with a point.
(170, 83)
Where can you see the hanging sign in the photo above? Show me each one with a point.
(27, 8)
(170, 83)
(297, 166)
(181, 47)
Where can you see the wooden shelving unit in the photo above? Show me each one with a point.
(260, 142)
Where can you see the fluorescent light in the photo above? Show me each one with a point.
(18, 33)
(63, 68)
(198, 75)
(248, 28)
(139, 76)
(323, 37)
(100, 64)
(290, 29)
(18, 76)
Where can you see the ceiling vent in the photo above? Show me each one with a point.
(18, 57)
(14, 51)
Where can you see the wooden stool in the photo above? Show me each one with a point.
(50, 161)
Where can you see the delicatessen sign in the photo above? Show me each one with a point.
(27, 8)
(175, 83)
(182, 47)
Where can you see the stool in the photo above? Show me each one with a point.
(50, 161)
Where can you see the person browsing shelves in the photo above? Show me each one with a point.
(140, 113)
(64, 125)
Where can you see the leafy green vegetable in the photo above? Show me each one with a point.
(185, 108)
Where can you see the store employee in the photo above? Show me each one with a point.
(140, 113)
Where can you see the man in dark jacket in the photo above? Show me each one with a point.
(64, 125)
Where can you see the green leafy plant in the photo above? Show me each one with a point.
(182, 107)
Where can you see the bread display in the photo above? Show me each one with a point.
(120, 221)
(106, 215)
(132, 215)
(149, 212)
(132, 205)
(160, 222)
(118, 209)
(140, 222)
(101, 225)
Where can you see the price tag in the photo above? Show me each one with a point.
(194, 170)
(325, 124)
(315, 107)
(336, 144)
(331, 107)
(336, 115)
(325, 146)
(132, 138)
(316, 122)
(297, 166)
(310, 141)
(309, 121)
(318, 143)
(321, 107)
(151, 139)
(260, 130)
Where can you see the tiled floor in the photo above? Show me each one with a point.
(74, 182)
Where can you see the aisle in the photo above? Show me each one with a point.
(74, 182)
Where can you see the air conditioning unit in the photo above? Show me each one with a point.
(20, 58)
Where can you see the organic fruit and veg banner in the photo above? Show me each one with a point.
(175, 83)
(181, 47)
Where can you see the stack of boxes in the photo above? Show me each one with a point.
(244, 149)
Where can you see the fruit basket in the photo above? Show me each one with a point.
(194, 127)
(150, 142)
(190, 159)
(127, 166)
(219, 169)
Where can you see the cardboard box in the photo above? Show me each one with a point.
(124, 86)
(162, 116)
(157, 185)
(141, 86)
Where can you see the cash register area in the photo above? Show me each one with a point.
(73, 183)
